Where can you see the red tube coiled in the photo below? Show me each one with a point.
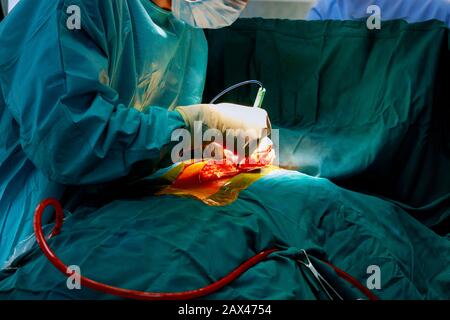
(125, 293)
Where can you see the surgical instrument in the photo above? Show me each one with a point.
(321, 280)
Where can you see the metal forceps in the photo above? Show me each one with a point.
(323, 283)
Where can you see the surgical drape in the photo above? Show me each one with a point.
(318, 89)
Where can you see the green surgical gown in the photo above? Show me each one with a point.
(86, 106)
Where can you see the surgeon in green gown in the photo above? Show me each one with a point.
(88, 92)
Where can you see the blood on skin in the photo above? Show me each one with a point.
(197, 173)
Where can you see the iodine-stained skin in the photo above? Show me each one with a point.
(219, 181)
(226, 164)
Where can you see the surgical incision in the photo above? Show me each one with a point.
(219, 182)
(226, 166)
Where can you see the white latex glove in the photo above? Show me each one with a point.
(253, 122)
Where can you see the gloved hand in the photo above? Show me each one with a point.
(252, 122)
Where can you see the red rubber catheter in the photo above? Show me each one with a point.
(125, 293)
(141, 295)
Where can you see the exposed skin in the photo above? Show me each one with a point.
(164, 4)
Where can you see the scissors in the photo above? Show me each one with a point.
(323, 283)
